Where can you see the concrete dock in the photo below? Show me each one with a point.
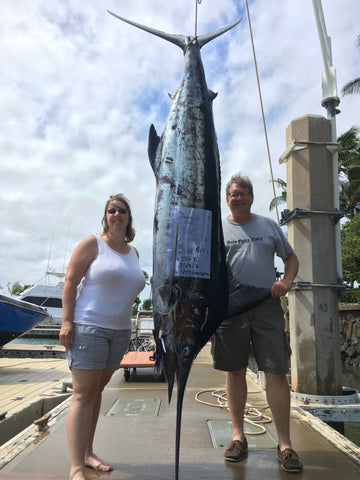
(136, 432)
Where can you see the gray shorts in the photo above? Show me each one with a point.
(262, 327)
(96, 348)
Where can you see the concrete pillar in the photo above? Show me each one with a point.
(314, 324)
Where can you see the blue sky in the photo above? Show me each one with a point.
(80, 89)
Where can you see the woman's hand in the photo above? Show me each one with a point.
(66, 335)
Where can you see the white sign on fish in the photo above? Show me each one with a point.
(189, 242)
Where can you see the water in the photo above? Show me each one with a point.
(35, 341)
(351, 378)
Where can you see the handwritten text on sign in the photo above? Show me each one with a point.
(189, 247)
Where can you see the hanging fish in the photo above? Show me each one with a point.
(190, 291)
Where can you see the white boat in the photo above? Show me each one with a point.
(49, 296)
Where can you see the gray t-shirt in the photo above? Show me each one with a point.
(250, 249)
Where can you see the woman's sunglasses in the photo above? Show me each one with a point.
(119, 210)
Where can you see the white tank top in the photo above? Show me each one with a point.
(109, 288)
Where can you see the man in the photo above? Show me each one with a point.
(255, 316)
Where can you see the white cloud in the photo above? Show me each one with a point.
(79, 90)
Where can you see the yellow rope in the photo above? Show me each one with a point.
(252, 416)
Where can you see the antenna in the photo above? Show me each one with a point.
(197, 2)
(329, 89)
(330, 101)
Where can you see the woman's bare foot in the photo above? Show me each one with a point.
(93, 461)
(77, 474)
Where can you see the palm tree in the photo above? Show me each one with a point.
(16, 289)
(146, 275)
(354, 85)
(349, 174)
(349, 171)
(281, 199)
(349, 151)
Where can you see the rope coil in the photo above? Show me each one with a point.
(253, 416)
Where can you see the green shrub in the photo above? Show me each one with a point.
(352, 295)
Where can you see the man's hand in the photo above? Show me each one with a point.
(291, 265)
(280, 289)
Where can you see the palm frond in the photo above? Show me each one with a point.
(351, 87)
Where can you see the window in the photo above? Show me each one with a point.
(44, 301)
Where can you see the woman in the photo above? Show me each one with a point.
(96, 326)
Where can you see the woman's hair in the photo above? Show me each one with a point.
(242, 181)
(130, 231)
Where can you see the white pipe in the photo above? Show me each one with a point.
(330, 102)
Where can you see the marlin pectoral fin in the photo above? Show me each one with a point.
(154, 140)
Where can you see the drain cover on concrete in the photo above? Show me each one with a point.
(135, 408)
(221, 435)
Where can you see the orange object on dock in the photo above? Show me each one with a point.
(137, 359)
(134, 360)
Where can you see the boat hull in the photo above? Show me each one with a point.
(18, 317)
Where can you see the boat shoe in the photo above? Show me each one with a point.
(236, 451)
(289, 460)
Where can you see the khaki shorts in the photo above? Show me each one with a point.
(262, 327)
(96, 348)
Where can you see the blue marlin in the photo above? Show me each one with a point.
(190, 290)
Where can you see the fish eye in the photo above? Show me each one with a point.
(186, 351)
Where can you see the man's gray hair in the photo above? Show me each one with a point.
(242, 180)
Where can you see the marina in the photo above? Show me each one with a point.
(136, 429)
